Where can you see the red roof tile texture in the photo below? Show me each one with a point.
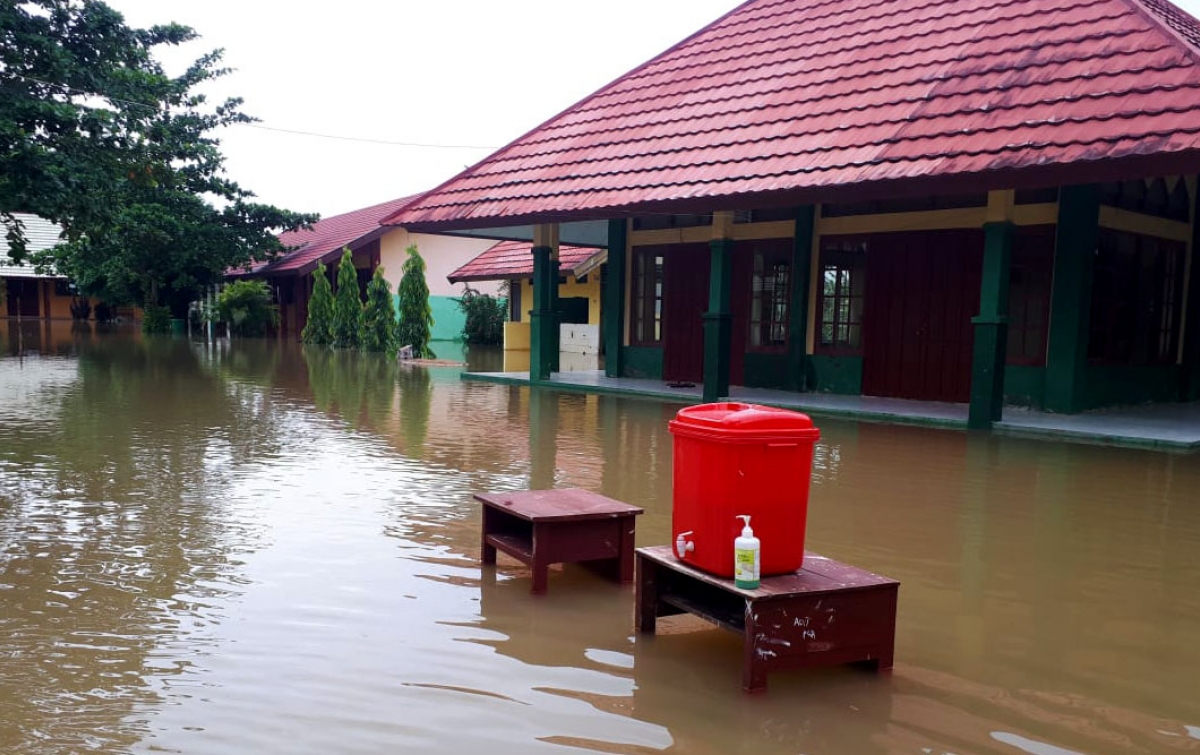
(324, 241)
(800, 99)
(514, 259)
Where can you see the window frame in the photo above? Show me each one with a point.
(641, 308)
(853, 249)
(778, 255)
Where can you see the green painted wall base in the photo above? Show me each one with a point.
(1024, 386)
(836, 374)
(769, 371)
(642, 362)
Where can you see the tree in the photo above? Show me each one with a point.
(95, 136)
(416, 316)
(486, 314)
(246, 305)
(380, 329)
(319, 328)
(347, 306)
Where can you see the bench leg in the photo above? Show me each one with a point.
(487, 553)
(754, 668)
(625, 549)
(539, 565)
(646, 600)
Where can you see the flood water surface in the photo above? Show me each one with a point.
(251, 548)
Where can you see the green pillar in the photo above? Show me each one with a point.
(613, 309)
(991, 328)
(543, 323)
(718, 322)
(797, 356)
(1071, 297)
(555, 327)
(1190, 385)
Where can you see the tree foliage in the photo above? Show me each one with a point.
(319, 328)
(247, 306)
(485, 316)
(416, 316)
(347, 305)
(380, 328)
(95, 136)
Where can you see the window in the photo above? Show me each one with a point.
(1030, 275)
(1137, 288)
(840, 298)
(770, 299)
(646, 319)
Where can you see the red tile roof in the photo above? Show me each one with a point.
(793, 101)
(514, 259)
(324, 241)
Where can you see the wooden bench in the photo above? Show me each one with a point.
(823, 615)
(543, 527)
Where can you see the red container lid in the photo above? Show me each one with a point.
(743, 423)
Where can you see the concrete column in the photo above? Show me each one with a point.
(991, 327)
(1071, 297)
(802, 242)
(718, 321)
(613, 309)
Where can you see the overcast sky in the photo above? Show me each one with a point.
(445, 72)
(435, 72)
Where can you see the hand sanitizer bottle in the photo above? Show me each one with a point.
(746, 557)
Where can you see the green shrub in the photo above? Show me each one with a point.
(416, 316)
(156, 320)
(380, 328)
(485, 317)
(347, 306)
(246, 305)
(319, 328)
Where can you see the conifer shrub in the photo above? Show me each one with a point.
(416, 316)
(347, 305)
(319, 328)
(380, 328)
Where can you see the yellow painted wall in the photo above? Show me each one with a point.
(569, 288)
(516, 336)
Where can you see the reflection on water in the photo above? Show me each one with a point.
(253, 547)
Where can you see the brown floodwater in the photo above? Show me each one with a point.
(249, 548)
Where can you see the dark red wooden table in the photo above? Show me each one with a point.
(826, 614)
(543, 527)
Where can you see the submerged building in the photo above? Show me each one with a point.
(946, 201)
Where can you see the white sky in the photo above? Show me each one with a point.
(458, 72)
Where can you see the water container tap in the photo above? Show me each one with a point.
(683, 545)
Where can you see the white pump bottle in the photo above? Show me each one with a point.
(747, 557)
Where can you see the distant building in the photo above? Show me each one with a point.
(28, 293)
(372, 245)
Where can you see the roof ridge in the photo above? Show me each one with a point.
(1174, 21)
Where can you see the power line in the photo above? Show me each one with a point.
(297, 132)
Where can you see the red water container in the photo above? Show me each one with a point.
(733, 459)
